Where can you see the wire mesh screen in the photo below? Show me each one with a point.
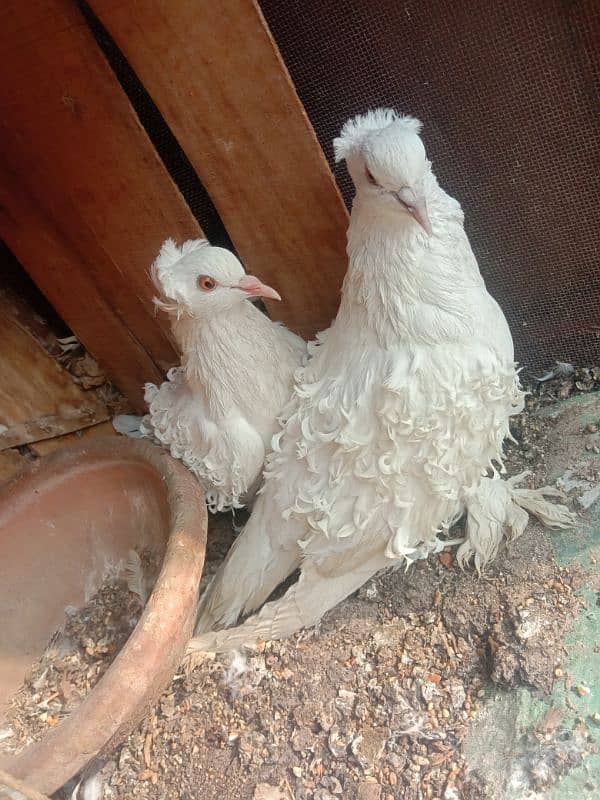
(508, 95)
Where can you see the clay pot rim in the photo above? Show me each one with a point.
(152, 653)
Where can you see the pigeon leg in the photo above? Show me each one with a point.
(497, 509)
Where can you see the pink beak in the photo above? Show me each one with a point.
(253, 286)
(416, 207)
(419, 211)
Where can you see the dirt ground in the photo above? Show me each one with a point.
(374, 704)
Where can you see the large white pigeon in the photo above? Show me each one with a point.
(395, 420)
(218, 411)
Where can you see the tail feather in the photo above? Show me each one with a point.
(317, 590)
(498, 509)
(553, 515)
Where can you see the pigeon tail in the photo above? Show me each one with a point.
(302, 606)
(252, 570)
(497, 509)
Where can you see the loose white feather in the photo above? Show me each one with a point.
(90, 789)
(134, 575)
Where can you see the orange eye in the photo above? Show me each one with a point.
(206, 283)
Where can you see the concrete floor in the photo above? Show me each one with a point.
(500, 744)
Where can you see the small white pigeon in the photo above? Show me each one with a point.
(396, 424)
(217, 412)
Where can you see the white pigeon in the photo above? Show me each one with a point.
(217, 412)
(396, 419)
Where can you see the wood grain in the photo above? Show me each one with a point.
(62, 276)
(50, 445)
(38, 399)
(11, 463)
(75, 149)
(219, 81)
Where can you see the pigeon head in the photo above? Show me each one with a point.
(197, 279)
(387, 161)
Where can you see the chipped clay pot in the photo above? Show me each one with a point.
(66, 523)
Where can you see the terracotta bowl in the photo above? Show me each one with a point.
(66, 524)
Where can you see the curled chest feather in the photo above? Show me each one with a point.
(390, 457)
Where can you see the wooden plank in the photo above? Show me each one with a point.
(38, 399)
(219, 81)
(50, 445)
(74, 148)
(24, 313)
(11, 462)
(65, 281)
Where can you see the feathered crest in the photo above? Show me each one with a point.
(356, 128)
(160, 271)
(170, 253)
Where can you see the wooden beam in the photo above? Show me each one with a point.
(63, 276)
(219, 81)
(93, 185)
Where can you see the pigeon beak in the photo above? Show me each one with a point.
(418, 209)
(254, 287)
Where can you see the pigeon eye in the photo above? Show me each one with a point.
(206, 283)
(370, 177)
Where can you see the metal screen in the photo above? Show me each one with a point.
(508, 94)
